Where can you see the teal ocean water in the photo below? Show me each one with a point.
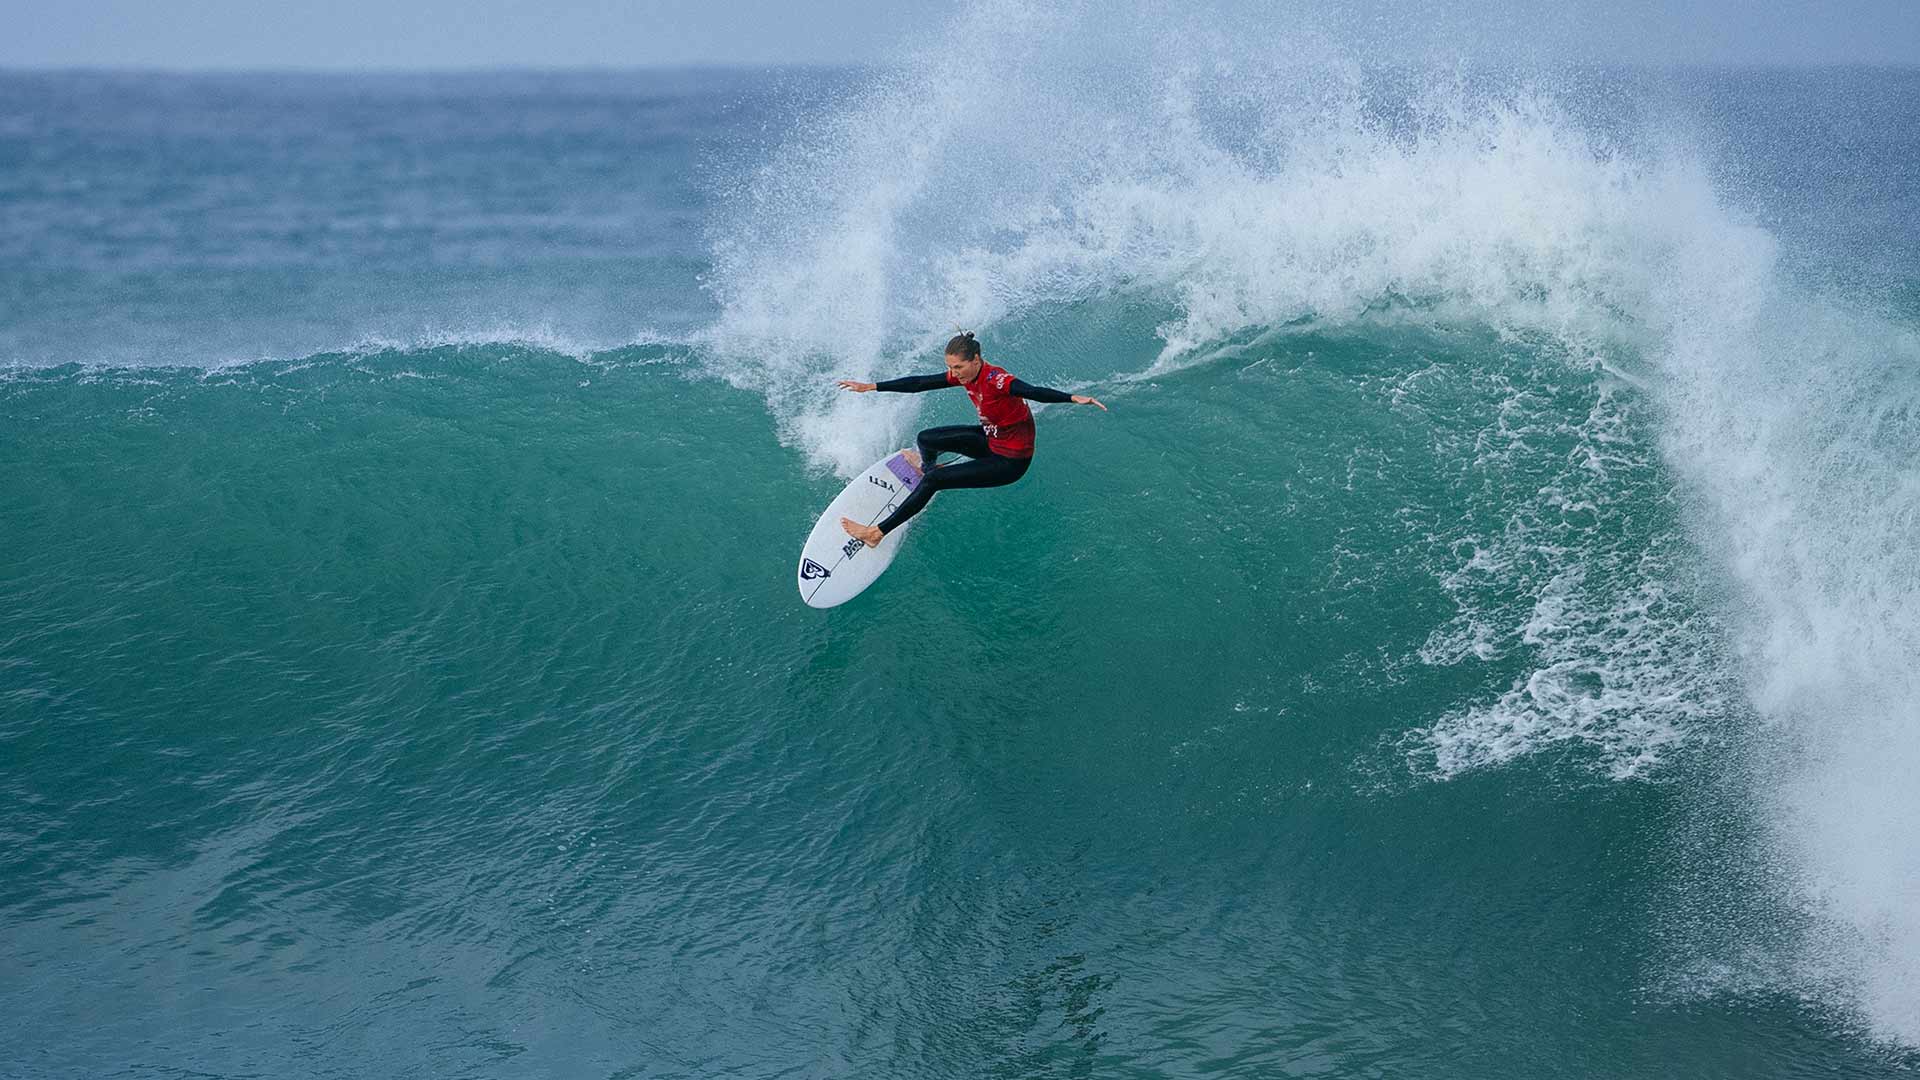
(1480, 641)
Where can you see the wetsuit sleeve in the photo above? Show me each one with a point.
(1045, 395)
(914, 384)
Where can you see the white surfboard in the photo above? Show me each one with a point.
(835, 567)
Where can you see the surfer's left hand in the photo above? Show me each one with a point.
(1082, 399)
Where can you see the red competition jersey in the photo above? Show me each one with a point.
(1007, 420)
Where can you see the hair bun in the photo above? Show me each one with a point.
(964, 345)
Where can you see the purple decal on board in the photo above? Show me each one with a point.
(899, 466)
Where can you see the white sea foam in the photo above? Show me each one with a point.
(1579, 581)
(539, 337)
(1616, 673)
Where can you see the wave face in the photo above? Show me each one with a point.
(1489, 602)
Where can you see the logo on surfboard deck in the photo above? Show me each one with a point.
(852, 547)
(810, 570)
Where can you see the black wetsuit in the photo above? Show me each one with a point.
(984, 469)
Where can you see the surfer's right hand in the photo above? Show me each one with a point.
(857, 387)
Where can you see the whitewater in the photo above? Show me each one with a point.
(1245, 198)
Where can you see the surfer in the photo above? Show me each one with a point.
(999, 447)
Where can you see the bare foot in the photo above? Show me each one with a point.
(913, 458)
(867, 534)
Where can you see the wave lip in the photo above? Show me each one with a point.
(1198, 176)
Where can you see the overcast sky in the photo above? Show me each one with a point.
(439, 34)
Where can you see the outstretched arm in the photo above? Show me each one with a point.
(1047, 395)
(911, 384)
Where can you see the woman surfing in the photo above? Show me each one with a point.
(999, 448)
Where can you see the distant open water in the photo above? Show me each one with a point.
(1480, 642)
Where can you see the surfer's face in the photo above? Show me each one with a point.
(961, 368)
